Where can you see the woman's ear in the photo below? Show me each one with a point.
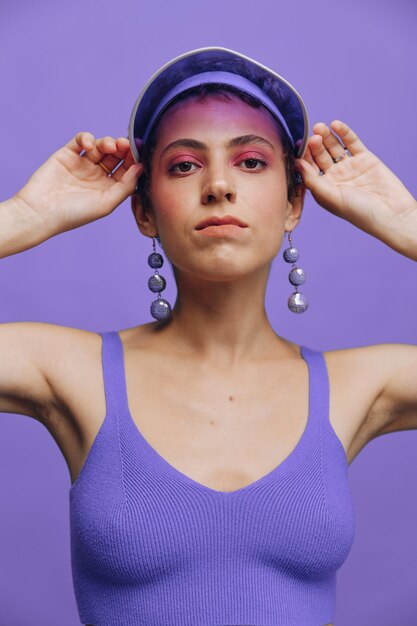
(144, 218)
(295, 208)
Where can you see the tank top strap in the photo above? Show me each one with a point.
(113, 372)
(318, 382)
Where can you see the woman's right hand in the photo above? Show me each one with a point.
(69, 190)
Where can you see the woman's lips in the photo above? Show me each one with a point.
(222, 230)
(215, 220)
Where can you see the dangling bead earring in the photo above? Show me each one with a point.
(297, 302)
(160, 308)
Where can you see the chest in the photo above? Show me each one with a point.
(224, 428)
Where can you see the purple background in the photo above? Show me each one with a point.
(75, 66)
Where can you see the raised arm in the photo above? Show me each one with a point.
(359, 187)
(25, 356)
(67, 191)
(395, 408)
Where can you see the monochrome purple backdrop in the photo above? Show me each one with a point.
(79, 66)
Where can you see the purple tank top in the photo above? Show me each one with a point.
(149, 545)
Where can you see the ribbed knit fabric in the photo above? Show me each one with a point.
(152, 547)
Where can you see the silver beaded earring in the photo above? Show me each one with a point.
(160, 308)
(297, 302)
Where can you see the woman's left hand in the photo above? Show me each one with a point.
(359, 188)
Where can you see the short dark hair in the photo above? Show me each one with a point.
(202, 92)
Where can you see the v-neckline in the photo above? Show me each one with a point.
(166, 466)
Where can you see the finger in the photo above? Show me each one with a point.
(309, 173)
(81, 141)
(349, 138)
(108, 151)
(121, 155)
(320, 153)
(128, 157)
(125, 165)
(123, 144)
(126, 185)
(309, 158)
(102, 147)
(331, 143)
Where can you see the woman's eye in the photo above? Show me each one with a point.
(180, 164)
(172, 169)
(252, 160)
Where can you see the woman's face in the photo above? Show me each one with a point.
(218, 180)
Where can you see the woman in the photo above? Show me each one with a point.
(214, 491)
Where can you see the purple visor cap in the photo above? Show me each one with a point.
(215, 64)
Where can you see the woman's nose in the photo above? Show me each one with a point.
(217, 189)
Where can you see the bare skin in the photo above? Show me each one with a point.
(209, 437)
(218, 336)
(238, 356)
(221, 452)
(215, 275)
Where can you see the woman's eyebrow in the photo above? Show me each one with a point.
(199, 145)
